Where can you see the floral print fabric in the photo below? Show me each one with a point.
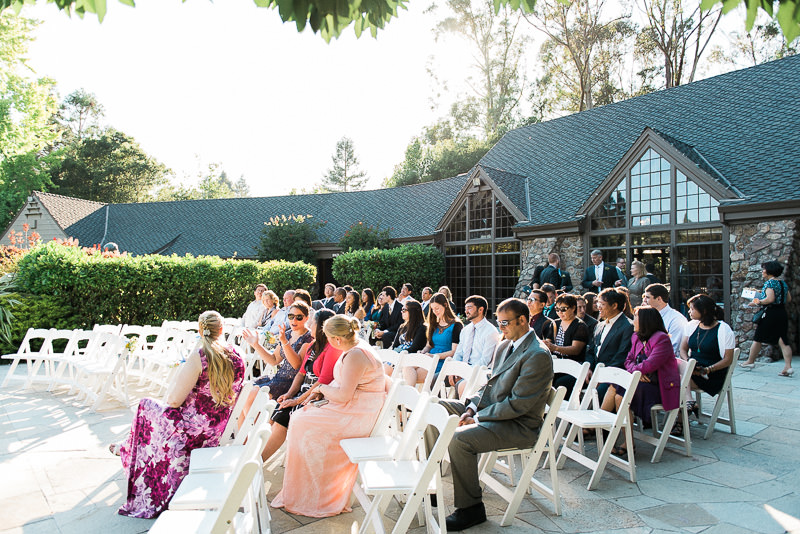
(155, 456)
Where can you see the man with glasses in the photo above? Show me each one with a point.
(255, 309)
(506, 413)
(537, 301)
(280, 317)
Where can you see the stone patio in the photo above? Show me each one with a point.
(58, 476)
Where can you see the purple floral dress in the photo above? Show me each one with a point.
(155, 456)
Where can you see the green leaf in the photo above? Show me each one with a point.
(706, 5)
(301, 14)
(100, 9)
(285, 9)
(789, 19)
(262, 3)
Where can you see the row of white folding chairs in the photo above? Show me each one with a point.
(475, 377)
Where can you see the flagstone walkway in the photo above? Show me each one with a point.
(57, 476)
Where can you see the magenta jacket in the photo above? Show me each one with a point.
(661, 360)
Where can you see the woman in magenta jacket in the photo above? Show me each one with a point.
(651, 354)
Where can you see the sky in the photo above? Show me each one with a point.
(196, 83)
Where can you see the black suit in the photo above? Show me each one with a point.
(558, 277)
(610, 275)
(614, 350)
(328, 302)
(338, 308)
(390, 322)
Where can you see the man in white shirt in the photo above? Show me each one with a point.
(255, 309)
(405, 293)
(280, 317)
(657, 296)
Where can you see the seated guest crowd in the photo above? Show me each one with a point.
(330, 384)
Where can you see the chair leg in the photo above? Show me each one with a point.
(715, 414)
(731, 414)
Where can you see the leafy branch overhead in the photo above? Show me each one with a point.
(330, 17)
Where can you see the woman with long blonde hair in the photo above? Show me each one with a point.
(155, 456)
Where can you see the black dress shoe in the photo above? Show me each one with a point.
(463, 518)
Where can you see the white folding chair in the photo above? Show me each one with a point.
(224, 519)
(63, 360)
(660, 436)
(394, 358)
(513, 495)
(208, 490)
(411, 479)
(108, 328)
(427, 362)
(450, 367)
(579, 372)
(33, 357)
(102, 373)
(593, 417)
(232, 428)
(724, 395)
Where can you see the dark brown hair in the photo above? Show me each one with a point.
(650, 322)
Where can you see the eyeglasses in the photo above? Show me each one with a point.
(506, 323)
(561, 309)
(293, 316)
(403, 309)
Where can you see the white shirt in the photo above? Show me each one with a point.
(425, 303)
(598, 272)
(606, 325)
(481, 341)
(676, 324)
(278, 320)
(253, 313)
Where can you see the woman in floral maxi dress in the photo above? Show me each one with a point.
(155, 456)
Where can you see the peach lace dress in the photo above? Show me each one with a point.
(319, 477)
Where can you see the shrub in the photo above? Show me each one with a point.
(287, 238)
(36, 311)
(150, 289)
(362, 236)
(9, 257)
(421, 265)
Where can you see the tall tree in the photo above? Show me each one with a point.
(110, 168)
(677, 34)
(763, 43)
(344, 175)
(496, 44)
(582, 54)
(26, 106)
(81, 113)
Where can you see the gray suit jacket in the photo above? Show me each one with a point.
(518, 389)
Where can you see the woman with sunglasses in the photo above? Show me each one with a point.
(286, 355)
(566, 337)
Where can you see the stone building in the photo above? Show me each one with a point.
(701, 180)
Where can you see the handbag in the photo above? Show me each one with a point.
(757, 316)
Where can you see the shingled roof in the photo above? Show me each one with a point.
(232, 226)
(67, 210)
(742, 128)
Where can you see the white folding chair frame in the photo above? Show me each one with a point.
(725, 394)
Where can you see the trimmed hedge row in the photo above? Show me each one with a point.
(421, 265)
(149, 289)
(36, 311)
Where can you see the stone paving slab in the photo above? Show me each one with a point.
(59, 478)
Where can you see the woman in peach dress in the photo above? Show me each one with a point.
(319, 477)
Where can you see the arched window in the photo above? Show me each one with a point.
(482, 255)
(661, 216)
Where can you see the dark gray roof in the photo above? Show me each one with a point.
(67, 210)
(225, 227)
(744, 124)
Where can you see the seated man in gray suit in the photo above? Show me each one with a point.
(506, 413)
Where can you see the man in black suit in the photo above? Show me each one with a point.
(600, 275)
(611, 341)
(327, 302)
(339, 295)
(553, 274)
(391, 316)
(426, 295)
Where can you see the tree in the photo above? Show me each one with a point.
(26, 106)
(582, 55)
(81, 113)
(288, 238)
(344, 175)
(496, 45)
(213, 182)
(763, 43)
(677, 35)
(362, 236)
(111, 168)
(330, 18)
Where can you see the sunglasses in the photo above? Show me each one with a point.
(293, 316)
(562, 309)
(506, 323)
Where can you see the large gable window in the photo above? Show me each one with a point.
(481, 254)
(659, 214)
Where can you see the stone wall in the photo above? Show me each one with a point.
(750, 246)
(534, 252)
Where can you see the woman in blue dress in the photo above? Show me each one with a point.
(773, 328)
(444, 332)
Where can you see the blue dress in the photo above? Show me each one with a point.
(443, 340)
(282, 381)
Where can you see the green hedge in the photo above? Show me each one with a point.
(149, 289)
(36, 311)
(421, 265)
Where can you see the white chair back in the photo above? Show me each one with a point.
(427, 362)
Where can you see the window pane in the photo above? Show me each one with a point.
(457, 230)
(611, 214)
